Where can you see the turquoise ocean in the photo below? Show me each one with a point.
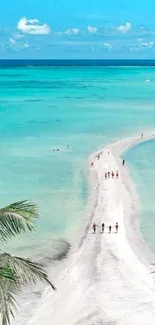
(43, 108)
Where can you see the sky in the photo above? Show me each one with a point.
(83, 29)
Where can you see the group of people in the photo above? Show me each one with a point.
(107, 174)
(103, 227)
(57, 149)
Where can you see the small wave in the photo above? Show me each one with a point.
(34, 100)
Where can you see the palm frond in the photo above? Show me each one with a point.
(24, 270)
(6, 272)
(8, 304)
(16, 218)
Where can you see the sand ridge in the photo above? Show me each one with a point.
(105, 281)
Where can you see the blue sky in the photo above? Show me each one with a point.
(84, 29)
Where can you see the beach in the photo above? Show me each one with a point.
(108, 277)
(45, 108)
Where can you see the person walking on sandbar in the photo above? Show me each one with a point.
(94, 227)
(110, 229)
(103, 225)
(116, 227)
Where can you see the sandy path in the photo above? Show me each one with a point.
(105, 282)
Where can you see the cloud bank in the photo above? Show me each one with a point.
(92, 30)
(33, 27)
(71, 31)
(124, 28)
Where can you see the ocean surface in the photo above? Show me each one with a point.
(83, 106)
(141, 162)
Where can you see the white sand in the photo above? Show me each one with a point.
(107, 280)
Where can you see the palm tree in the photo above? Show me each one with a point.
(15, 271)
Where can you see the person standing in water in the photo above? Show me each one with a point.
(142, 136)
(123, 162)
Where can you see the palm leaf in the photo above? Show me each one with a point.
(8, 288)
(15, 218)
(15, 271)
(24, 270)
(6, 272)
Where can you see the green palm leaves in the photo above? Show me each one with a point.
(15, 272)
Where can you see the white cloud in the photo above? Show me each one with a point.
(12, 41)
(92, 30)
(17, 44)
(18, 36)
(71, 31)
(124, 28)
(33, 27)
(149, 44)
(107, 46)
(26, 45)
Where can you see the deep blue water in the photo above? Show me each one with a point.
(48, 63)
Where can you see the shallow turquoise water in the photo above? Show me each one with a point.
(45, 108)
(141, 162)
